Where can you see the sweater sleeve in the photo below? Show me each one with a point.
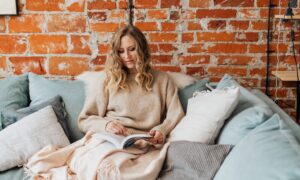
(92, 115)
(174, 111)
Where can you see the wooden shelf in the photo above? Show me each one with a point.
(287, 17)
(286, 75)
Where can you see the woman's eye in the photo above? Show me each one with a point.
(120, 51)
(132, 49)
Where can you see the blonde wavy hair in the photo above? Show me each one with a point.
(117, 73)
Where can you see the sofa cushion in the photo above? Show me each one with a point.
(205, 115)
(271, 151)
(22, 139)
(14, 93)
(191, 160)
(241, 124)
(11, 116)
(72, 93)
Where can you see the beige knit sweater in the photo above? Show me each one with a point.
(139, 111)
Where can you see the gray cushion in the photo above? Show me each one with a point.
(192, 160)
(187, 92)
(14, 93)
(13, 174)
(11, 116)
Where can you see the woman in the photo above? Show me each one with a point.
(133, 98)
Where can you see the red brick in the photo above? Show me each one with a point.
(196, 59)
(2, 24)
(146, 4)
(167, 48)
(234, 60)
(75, 6)
(168, 26)
(262, 3)
(247, 37)
(123, 4)
(195, 71)
(221, 70)
(42, 5)
(199, 3)
(174, 15)
(170, 3)
(3, 65)
(104, 27)
(257, 48)
(117, 14)
(26, 23)
(147, 26)
(194, 26)
(216, 25)
(249, 82)
(101, 4)
(281, 93)
(66, 23)
(103, 48)
(212, 36)
(99, 60)
(239, 25)
(44, 44)
(157, 14)
(216, 13)
(97, 16)
(235, 3)
(257, 71)
(23, 65)
(227, 48)
(249, 13)
(13, 44)
(153, 48)
(187, 37)
(67, 65)
(167, 68)
(259, 25)
(80, 44)
(196, 48)
(163, 37)
(161, 58)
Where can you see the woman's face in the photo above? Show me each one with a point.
(128, 52)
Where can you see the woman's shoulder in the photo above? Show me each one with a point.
(160, 74)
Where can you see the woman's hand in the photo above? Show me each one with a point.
(158, 137)
(116, 128)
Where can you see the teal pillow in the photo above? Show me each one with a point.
(241, 124)
(14, 93)
(187, 92)
(72, 93)
(269, 152)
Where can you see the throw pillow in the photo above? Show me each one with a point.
(187, 92)
(22, 139)
(72, 93)
(241, 124)
(12, 116)
(190, 160)
(205, 115)
(269, 152)
(14, 93)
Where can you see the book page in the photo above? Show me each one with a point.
(129, 140)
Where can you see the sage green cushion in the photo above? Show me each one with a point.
(13, 174)
(13, 93)
(72, 93)
(187, 92)
(270, 152)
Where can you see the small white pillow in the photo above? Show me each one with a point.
(206, 113)
(22, 139)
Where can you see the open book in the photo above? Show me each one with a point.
(122, 142)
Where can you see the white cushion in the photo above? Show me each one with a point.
(22, 139)
(206, 113)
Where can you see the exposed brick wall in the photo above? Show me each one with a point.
(63, 38)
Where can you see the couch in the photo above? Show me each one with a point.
(261, 141)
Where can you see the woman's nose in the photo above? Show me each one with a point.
(127, 54)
